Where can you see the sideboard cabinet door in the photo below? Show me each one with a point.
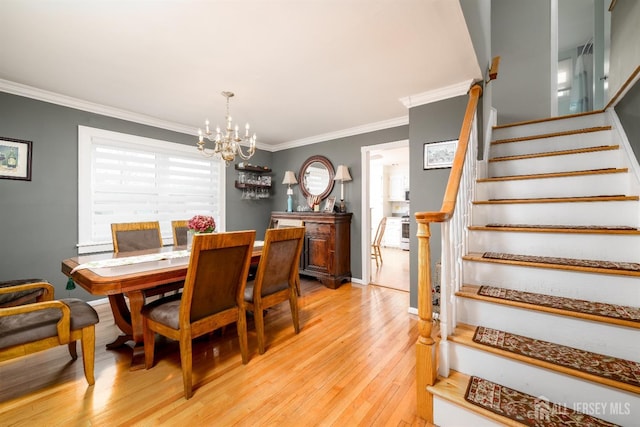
(327, 245)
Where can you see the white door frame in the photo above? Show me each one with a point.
(365, 232)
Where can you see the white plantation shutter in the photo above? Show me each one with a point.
(126, 178)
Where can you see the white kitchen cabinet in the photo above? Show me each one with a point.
(392, 233)
(397, 185)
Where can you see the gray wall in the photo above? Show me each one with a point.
(625, 49)
(249, 214)
(434, 122)
(477, 14)
(39, 218)
(628, 111)
(520, 34)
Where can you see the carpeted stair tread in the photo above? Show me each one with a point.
(588, 266)
(630, 266)
(525, 408)
(603, 369)
(559, 228)
(596, 311)
(554, 175)
(555, 153)
(596, 198)
(453, 388)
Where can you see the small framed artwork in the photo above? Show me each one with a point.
(439, 154)
(329, 204)
(15, 159)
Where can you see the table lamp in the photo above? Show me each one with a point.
(289, 178)
(342, 175)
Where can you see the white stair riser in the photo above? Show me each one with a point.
(612, 247)
(447, 414)
(556, 143)
(571, 392)
(577, 213)
(570, 186)
(552, 164)
(611, 289)
(551, 126)
(591, 336)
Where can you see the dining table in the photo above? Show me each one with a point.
(136, 275)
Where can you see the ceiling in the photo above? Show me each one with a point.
(302, 70)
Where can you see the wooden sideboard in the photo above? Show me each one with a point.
(327, 245)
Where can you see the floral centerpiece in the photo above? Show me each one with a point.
(199, 224)
(202, 224)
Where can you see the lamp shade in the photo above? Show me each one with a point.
(342, 174)
(289, 178)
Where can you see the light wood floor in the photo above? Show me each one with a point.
(353, 363)
(394, 270)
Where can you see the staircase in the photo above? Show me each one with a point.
(547, 320)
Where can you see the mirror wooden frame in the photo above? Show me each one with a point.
(332, 173)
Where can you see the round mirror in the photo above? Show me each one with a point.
(316, 177)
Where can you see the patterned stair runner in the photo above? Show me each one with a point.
(627, 266)
(524, 408)
(599, 365)
(613, 311)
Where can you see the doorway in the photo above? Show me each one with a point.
(386, 195)
(583, 55)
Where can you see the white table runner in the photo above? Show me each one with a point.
(139, 259)
(116, 262)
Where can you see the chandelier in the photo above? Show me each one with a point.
(227, 143)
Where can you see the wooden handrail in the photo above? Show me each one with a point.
(426, 365)
(493, 70)
(451, 193)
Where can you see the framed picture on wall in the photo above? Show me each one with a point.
(15, 159)
(439, 154)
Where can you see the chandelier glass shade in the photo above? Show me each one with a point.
(227, 142)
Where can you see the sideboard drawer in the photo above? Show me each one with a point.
(316, 228)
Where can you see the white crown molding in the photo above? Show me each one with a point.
(79, 104)
(437, 94)
(68, 101)
(371, 127)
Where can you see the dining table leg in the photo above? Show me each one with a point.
(136, 302)
(129, 321)
(122, 319)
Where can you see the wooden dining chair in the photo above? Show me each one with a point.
(212, 298)
(286, 223)
(276, 277)
(136, 236)
(33, 327)
(180, 229)
(376, 252)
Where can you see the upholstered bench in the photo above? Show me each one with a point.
(30, 328)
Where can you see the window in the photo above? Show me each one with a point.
(127, 178)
